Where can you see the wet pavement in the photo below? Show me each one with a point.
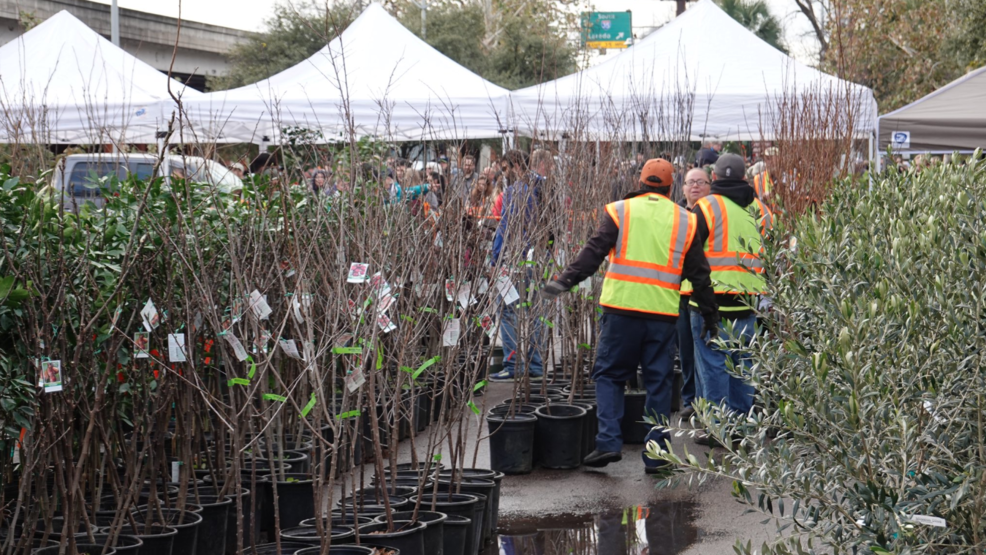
(662, 528)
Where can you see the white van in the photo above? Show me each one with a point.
(79, 177)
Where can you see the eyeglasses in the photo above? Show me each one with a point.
(696, 182)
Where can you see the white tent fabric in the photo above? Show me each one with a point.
(61, 82)
(703, 75)
(379, 77)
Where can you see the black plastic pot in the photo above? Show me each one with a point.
(375, 494)
(309, 534)
(158, 540)
(370, 501)
(559, 436)
(287, 548)
(340, 550)
(81, 532)
(186, 523)
(456, 530)
(434, 528)
(215, 519)
(512, 443)
(339, 520)
(632, 427)
(81, 549)
(295, 499)
(407, 536)
(125, 544)
(588, 432)
(482, 488)
(456, 504)
(299, 461)
(505, 408)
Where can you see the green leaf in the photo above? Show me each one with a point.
(437, 457)
(585, 346)
(272, 397)
(308, 408)
(428, 309)
(425, 366)
(546, 322)
(479, 386)
(239, 381)
(472, 406)
(379, 357)
(253, 368)
(350, 414)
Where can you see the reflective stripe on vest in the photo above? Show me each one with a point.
(734, 245)
(645, 264)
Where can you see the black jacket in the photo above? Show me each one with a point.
(742, 194)
(695, 269)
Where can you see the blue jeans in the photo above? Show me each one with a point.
(691, 385)
(626, 342)
(508, 336)
(717, 384)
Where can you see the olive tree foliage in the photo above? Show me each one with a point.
(870, 375)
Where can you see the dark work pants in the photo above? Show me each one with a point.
(690, 384)
(626, 343)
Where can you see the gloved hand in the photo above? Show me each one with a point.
(552, 290)
(711, 327)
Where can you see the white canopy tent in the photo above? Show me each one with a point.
(703, 75)
(377, 79)
(61, 82)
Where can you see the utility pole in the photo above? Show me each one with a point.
(115, 23)
(424, 16)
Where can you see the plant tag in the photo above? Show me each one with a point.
(296, 309)
(176, 347)
(464, 296)
(449, 290)
(507, 291)
(238, 351)
(358, 273)
(386, 325)
(384, 302)
(142, 344)
(438, 240)
(150, 316)
(51, 376)
(175, 467)
(379, 285)
(486, 322)
(929, 521)
(450, 335)
(290, 349)
(484, 286)
(355, 380)
(196, 322)
(116, 316)
(260, 342)
(259, 305)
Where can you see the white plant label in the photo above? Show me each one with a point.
(290, 349)
(484, 286)
(175, 467)
(196, 322)
(489, 326)
(464, 296)
(507, 291)
(50, 376)
(296, 309)
(358, 273)
(385, 323)
(449, 290)
(150, 316)
(930, 521)
(259, 305)
(176, 347)
(355, 380)
(238, 349)
(450, 335)
(379, 285)
(384, 303)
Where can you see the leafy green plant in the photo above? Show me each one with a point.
(869, 375)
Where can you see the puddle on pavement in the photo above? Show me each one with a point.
(662, 528)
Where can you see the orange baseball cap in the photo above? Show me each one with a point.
(657, 172)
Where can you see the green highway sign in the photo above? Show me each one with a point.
(606, 29)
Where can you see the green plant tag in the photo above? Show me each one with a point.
(379, 357)
(253, 367)
(308, 408)
(585, 346)
(437, 457)
(479, 386)
(428, 309)
(472, 406)
(272, 397)
(350, 414)
(239, 381)
(346, 350)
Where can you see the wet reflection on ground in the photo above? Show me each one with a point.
(665, 528)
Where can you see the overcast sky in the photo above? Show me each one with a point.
(250, 14)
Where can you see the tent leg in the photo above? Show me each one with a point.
(871, 152)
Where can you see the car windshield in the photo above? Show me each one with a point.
(207, 171)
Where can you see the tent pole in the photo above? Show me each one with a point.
(115, 23)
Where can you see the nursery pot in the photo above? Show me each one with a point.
(632, 427)
(80, 533)
(287, 548)
(407, 536)
(588, 428)
(512, 442)
(125, 545)
(559, 433)
(310, 535)
(158, 540)
(479, 487)
(456, 504)
(186, 523)
(485, 474)
(353, 521)
(456, 534)
(434, 528)
(81, 549)
(338, 550)
(215, 519)
(369, 501)
(295, 499)
(504, 409)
